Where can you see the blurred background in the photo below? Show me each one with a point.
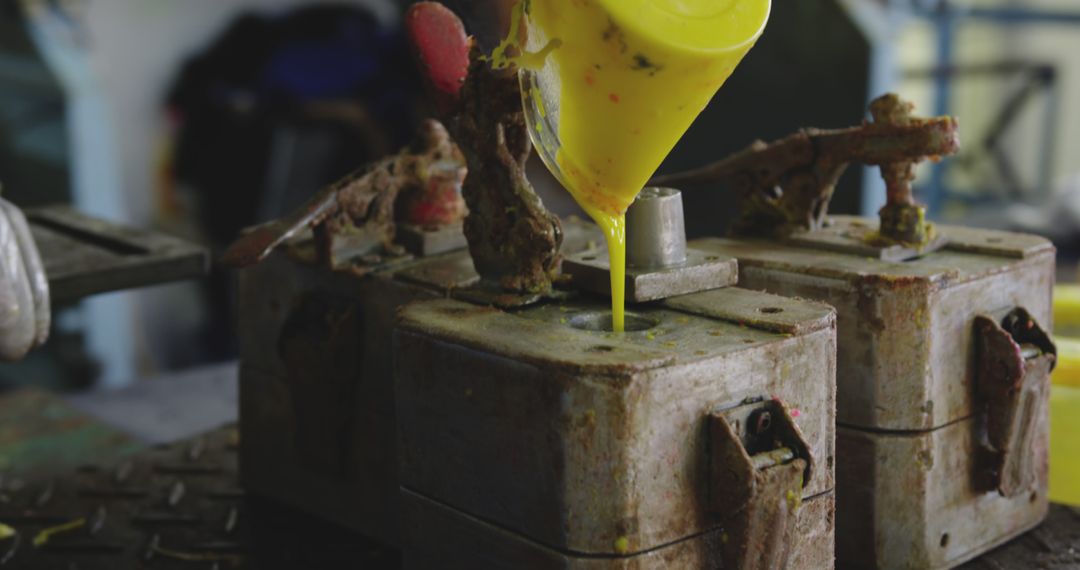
(201, 118)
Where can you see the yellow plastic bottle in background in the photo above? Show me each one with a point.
(1065, 399)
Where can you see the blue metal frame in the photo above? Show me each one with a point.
(946, 19)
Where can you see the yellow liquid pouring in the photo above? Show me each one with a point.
(610, 86)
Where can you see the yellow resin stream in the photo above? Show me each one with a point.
(609, 87)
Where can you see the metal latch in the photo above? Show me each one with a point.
(759, 464)
(1014, 357)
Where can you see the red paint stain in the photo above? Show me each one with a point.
(795, 413)
(614, 98)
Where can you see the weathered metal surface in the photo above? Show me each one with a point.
(759, 464)
(176, 506)
(905, 335)
(700, 272)
(655, 229)
(423, 242)
(317, 391)
(785, 187)
(858, 236)
(85, 256)
(590, 442)
(161, 508)
(907, 500)
(513, 239)
(40, 433)
(1053, 545)
(1013, 360)
(357, 215)
(914, 487)
(443, 537)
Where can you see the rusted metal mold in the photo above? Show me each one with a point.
(514, 240)
(784, 187)
(358, 215)
(942, 379)
(316, 381)
(456, 540)
(578, 447)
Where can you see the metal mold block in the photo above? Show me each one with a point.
(915, 484)
(453, 539)
(590, 448)
(316, 380)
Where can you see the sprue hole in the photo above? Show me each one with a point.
(945, 540)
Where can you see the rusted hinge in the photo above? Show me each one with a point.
(759, 463)
(1014, 357)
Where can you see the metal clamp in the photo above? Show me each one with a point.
(759, 465)
(1014, 357)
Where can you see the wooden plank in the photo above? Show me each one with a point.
(86, 256)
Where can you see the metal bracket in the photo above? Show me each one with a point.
(701, 271)
(1014, 357)
(759, 465)
(859, 236)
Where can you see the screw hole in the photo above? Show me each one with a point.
(589, 258)
(1034, 496)
(770, 310)
(945, 540)
(600, 348)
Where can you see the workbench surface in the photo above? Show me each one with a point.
(172, 505)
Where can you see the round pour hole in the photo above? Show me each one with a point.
(1034, 496)
(600, 321)
(770, 310)
(589, 258)
(600, 348)
(945, 540)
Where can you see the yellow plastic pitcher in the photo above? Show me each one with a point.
(610, 86)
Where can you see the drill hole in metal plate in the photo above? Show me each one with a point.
(600, 321)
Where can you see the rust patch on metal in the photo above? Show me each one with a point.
(358, 214)
(760, 463)
(1012, 381)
